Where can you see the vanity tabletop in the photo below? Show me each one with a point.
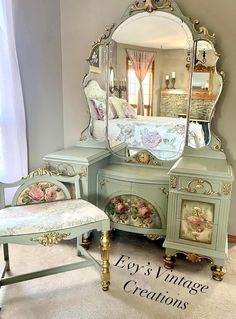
(213, 167)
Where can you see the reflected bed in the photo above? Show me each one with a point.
(162, 136)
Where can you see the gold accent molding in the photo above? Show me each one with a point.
(154, 236)
(146, 158)
(150, 5)
(200, 184)
(173, 181)
(50, 239)
(101, 39)
(194, 258)
(41, 172)
(105, 250)
(200, 29)
(218, 148)
(226, 189)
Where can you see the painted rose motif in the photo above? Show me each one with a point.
(40, 192)
(50, 194)
(133, 210)
(35, 193)
(198, 221)
(150, 139)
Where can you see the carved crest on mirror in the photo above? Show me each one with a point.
(178, 93)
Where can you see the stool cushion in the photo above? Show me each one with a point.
(51, 216)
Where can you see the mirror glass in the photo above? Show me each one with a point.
(149, 84)
(206, 88)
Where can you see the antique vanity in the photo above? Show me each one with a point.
(156, 168)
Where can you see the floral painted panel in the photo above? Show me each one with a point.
(197, 220)
(40, 193)
(163, 136)
(133, 210)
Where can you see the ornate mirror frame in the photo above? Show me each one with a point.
(199, 33)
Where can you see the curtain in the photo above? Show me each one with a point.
(13, 144)
(141, 62)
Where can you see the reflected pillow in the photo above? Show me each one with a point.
(100, 108)
(129, 111)
(118, 105)
(123, 108)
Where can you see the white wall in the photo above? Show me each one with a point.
(38, 42)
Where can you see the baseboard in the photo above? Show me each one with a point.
(232, 238)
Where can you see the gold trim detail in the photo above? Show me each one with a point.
(150, 5)
(194, 258)
(105, 249)
(173, 181)
(153, 236)
(50, 239)
(41, 172)
(218, 148)
(218, 272)
(199, 185)
(146, 158)
(101, 39)
(200, 29)
(227, 189)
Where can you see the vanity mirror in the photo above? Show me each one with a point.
(154, 91)
(155, 101)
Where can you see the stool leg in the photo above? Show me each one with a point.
(6, 256)
(105, 249)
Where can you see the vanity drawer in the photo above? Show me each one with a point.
(199, 185)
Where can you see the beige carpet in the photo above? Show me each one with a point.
(149, 293)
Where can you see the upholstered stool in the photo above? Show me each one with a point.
(43, 212)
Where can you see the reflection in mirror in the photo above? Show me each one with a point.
(206, 88)
(95, 89)
(148, 55)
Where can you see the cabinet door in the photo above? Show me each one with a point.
(156, 195)
(197, 221)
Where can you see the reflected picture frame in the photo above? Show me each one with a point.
(95, 64)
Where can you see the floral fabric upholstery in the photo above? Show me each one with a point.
(43, 217)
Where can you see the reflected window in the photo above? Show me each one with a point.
(133, 88)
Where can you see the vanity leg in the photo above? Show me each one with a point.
(218, 272)
(169, 261)
(105, 249)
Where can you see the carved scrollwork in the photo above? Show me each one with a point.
(154, 237)
(50, 239)
(173, 181)
(200, 29)
(194, 258)
(227, 189)
(100, 40)
(150, 5)
(41, 172)
(199, 184)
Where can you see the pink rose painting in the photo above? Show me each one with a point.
(39, 193)
(133, 210)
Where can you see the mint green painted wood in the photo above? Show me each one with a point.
(102, 223)
(203, 179)
(45, 272)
